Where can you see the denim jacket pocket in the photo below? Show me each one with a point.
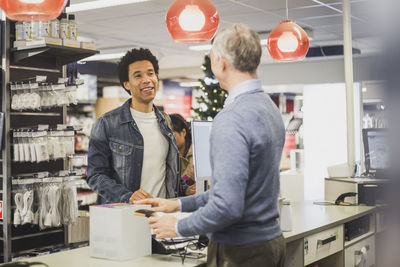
(121, 153)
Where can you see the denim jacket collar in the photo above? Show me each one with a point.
(126, 116)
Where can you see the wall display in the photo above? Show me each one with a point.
(35, 93)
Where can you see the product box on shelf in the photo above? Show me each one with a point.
(37, 42)
(71, 43)
(117, 234)
(88, 45)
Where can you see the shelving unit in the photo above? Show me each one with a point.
(20, 64)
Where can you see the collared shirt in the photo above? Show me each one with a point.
(241, 88)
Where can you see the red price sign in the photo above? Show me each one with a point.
(1, 209)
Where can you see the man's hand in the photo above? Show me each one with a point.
(191, 190)
(139, 194)
(160, 204)
(163, 227)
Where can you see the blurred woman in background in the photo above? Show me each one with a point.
(183, 138)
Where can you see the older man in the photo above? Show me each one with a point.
(240, 211)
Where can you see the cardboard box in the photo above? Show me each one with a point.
(117, 234)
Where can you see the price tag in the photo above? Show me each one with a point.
(1, 209)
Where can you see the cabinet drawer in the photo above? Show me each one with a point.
(323, 244)
(361, 253)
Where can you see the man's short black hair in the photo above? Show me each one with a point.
(131, 57)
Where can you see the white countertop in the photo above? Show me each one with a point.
(309, 218)
(80, 258)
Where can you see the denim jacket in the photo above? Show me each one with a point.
(116, 156)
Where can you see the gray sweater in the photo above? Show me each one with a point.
(241, 207)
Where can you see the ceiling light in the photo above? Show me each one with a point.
(32, 10)
(104, 57)
(90, 5)
(192, 21)
(288, 41)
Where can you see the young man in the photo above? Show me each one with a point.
(240, 211)
(132, 150)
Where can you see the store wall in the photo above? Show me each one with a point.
(309, 71)
(318, 71)
(325, 130)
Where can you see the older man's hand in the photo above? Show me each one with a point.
(160, 204)
(163, 227)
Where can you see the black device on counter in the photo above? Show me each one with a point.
(340, 199)
(375, 151)
(144, 212)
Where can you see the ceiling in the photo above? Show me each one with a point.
(117, 29)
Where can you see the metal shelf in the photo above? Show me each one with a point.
(37, 234)
(15, 113)
(19, 64)
(36, 250)
(48, 56)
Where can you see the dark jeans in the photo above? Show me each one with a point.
(268, 254)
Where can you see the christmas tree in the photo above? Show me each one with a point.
(213, 98)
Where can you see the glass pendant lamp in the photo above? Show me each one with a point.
(192, 21)
(32, 10)
(288, 41)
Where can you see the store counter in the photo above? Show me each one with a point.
(80, 258)
(317, 233)
(309, 218)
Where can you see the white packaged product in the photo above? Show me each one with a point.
(32, 147)
(20, 147)
(55, 28)
(15, 146)
(69, 141)
(41, 148)
(44, 29)
(19, 31)
(26, 147)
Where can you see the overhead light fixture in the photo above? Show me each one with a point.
(206, 47)
(32, 10)
(104, 57)
(288, 41)
(90, 5)
(192, 21)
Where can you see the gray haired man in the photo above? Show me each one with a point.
(239, 213)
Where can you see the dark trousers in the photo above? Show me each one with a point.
(268, 254)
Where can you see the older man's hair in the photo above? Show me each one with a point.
(241, 47)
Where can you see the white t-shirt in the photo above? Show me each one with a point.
(155, 153)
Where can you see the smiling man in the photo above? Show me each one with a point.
(132, 150)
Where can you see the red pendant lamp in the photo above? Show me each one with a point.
(32, 10)
(288, 41)
(192, 21)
